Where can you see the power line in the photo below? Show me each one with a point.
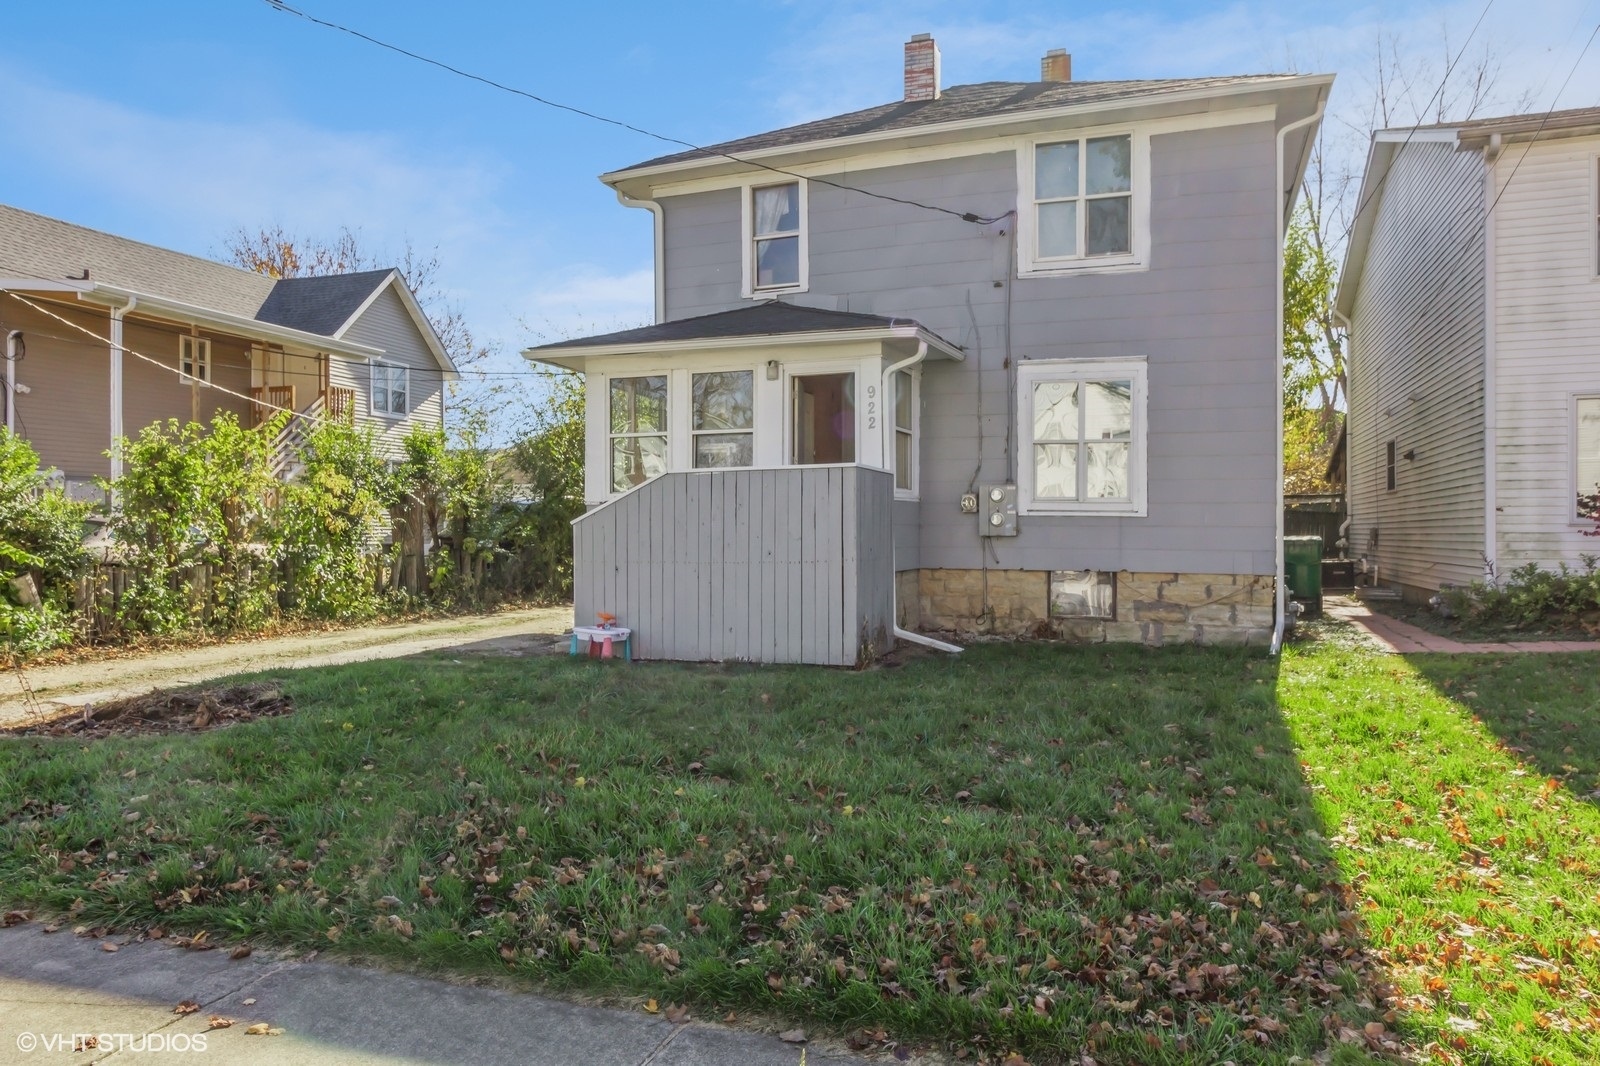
(965, 216)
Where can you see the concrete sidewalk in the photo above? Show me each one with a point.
(1392, 635)
(55, 985)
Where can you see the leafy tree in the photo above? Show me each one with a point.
(550, 457)
(40, 537)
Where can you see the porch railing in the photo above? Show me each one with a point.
(269, 398)
(788, 565)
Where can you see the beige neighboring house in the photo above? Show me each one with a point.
(107, 335)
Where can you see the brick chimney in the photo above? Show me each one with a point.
(922, 68)
(1055, 66)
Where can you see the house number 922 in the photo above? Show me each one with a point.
(872, 407)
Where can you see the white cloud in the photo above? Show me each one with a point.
(584, 300)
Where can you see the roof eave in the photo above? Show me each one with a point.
(419, 318)
(576, 358)
(636, 177)
(111, 295)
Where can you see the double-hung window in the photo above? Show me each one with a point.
(391, 389)
(775, 250)
(1083, 436)
(1083, 210)
(905, 456)
(1586, 463)
(638, 425)
(723, 418)
(194, 358)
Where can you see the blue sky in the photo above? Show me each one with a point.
(176, 121)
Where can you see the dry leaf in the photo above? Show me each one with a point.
(263, 1029)
(240, 952)
(217, 1021)
(107, 946)
(188, 1006)
(793, 1036)
(651, 1007)
(677, 1014)
(249, 1002)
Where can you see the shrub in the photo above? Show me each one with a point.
(1531, 596)
(41, 536)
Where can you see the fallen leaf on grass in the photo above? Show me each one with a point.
(793, 1036)
(677, 1014)
(651, 1007)
(188, 1006)
(15, 918)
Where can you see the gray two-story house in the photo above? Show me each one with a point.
(998, 358)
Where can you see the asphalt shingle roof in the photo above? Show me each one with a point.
(958, 102)
(320, 304)
(760, 320)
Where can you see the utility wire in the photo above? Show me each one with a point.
(965, 216)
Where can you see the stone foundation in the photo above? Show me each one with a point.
(1149, 608)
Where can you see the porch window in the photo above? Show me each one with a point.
(824, 419)
(638, 430)
(391, 389)
(1083, 437)
(1586, 464)
(776, 238)
(194, 358)
(904, 432)
(724, 419)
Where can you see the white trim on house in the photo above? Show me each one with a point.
(387, 411)
(1032, 265)
(1133, 369)
(194, 352)
(580, 354)
(748, 237)
(658, 245)
(418, 319)
(891, 452)
(855, 164)
(1574, 458)
(1017, 119)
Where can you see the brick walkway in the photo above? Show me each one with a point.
(1393, 635)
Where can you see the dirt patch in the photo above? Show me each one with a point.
(188, 711)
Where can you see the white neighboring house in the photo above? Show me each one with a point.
(1472, 289)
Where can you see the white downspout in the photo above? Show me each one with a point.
(658, 239)
(1491, 450)
(1281, 211)
(11, 379)
(888, 425)
(116, 383)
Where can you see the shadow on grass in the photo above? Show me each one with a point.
(1050, 849)
(1545, 709)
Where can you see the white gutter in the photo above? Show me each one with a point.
(11, 378)
(659, 245)
(1282, 213)
(1491, 450)
(116, 384)
(565, 355)
(888, 424)
(157, 306)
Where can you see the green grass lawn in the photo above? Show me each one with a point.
(1178, 856)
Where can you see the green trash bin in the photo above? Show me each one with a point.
(1302, 564)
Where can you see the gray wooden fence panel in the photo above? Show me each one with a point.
(783, 565)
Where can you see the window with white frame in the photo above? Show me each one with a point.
(1083, 201)
(1586, 463)
(723, 418)
(194, 358)
(638, 430)
(775, 222)
(905, 451)
(391, 389)
(1082, 436)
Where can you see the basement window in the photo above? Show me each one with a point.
(1083, 594)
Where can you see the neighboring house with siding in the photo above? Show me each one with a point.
(1000, 357)
(115, 335)
(1470, 287)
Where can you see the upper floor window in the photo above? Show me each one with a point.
(724, 418)
(391, 389)
(1084, 203)
(775, 238)
(638, 428)
(194, 358)
(1082, 436)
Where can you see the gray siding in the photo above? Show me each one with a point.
(1417, 373)
(388, 325)
(1203, 314)
(778, 566)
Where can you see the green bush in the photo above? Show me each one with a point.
(41, 536)
(1532, 596)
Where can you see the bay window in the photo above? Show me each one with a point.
(638, 430)
(723, 418)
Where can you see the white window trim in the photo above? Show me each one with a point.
(690, 433)
(201, 357)
(1573, 488)
(1030, 265)
(1134, 369)
(747, 284)
(890, 453)
(675, 417)
(372, 390)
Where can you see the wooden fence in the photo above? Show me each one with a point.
(789, 565)
(1319, 516)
